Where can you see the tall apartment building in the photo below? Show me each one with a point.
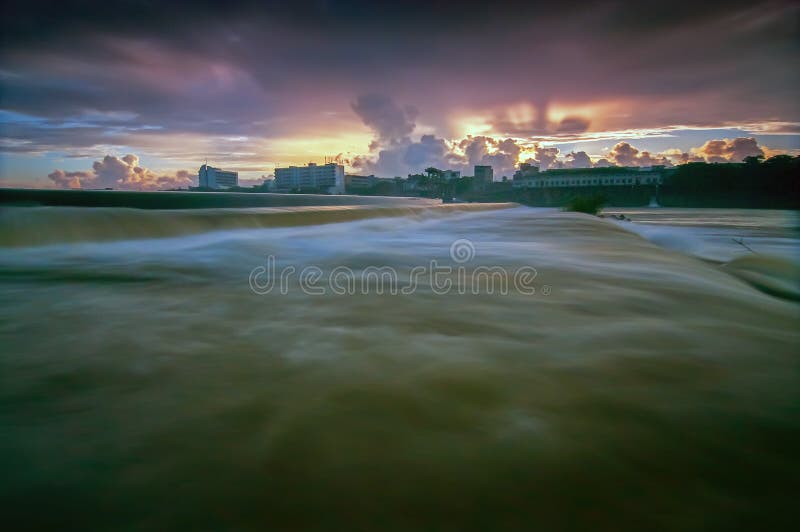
(485, 173)
(210, 177)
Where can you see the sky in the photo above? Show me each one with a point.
(138, 94)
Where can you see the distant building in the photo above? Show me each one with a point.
(328, 177)
(358, 182)
(484, 173)
(449, 175)
(210, 177)
(526, 170)
(590, 177)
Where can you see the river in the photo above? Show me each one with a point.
(398, 367)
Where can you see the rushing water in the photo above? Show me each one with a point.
(146, 383)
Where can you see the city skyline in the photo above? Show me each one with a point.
(138, 95)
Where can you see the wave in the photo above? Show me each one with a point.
(771, 275)
(34, 226)
(766, 258)
(718, 237)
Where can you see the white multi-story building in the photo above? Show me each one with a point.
(328, 177)
(610, 176)
(210, 177)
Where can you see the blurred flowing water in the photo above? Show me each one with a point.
(652, 381)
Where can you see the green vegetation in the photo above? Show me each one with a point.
(586, 204)
(773, 183)
(384, 188)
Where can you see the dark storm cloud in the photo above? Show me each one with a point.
(385, 117)
(41, 19)
(720, 151)
(572, 125)
(542, 49)
(157, 81)
(540, 126)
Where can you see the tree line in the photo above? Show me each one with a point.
(756, 182)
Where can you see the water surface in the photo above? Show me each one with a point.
(145, 385)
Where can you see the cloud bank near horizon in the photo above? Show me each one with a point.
(393, 148)
(124, 173)
(121, 173)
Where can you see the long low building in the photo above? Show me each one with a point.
(364, 182)
(590, 177)
(328, 177)
(210, 177)
(360, 182)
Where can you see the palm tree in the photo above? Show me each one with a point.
(436, 183)
(433, 173)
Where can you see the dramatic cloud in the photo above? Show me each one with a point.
(404, 155)
(578, 160)
(721, 151)
(545, 158)
(429, 151)
(120, 173)
(532, 120)
(71, 179)
(572, 125)
(501, 155)
(681, 157)
(725, 150)
(623, 154)
(397, 152)
(389, 121)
